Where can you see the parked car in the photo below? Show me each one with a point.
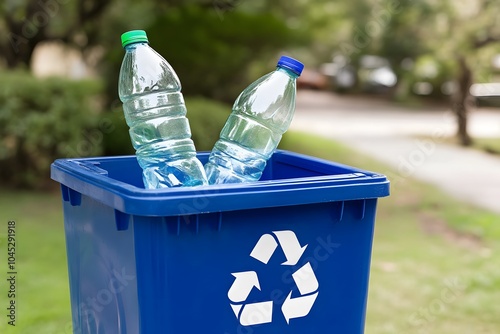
(371, 74)
(311, 79)
(486, 94)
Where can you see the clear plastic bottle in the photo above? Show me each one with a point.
(156, 114)
(260, 116)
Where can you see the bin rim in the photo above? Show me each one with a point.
(356, 185)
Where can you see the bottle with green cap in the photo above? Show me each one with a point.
(156, 114)
(261, 115)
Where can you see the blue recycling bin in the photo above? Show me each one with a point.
(287, 254)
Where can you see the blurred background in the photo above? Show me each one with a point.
(409, 88)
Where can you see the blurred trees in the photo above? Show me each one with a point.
(460, 37)
(26, 23)
(212, 44)
(463, 31)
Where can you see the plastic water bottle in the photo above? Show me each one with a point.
(156, 114)
(260, 116)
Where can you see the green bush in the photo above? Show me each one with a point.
(206, 119)
(117, 142)
(42, 120)
(45, 119)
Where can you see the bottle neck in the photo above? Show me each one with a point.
(290, 73)
(133, 46)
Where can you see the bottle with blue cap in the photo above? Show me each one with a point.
(156, 114)
(261, 114)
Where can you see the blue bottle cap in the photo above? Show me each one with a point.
(291, 64)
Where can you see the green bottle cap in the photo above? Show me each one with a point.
(134, 36)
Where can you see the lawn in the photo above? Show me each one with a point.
(434, 266)
(491, 145)
(485, 144)
(42, 298)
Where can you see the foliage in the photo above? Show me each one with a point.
(26, 23)
(211, 52)
(45, 119)
(402, 34)
(466, 30)
(117, 141)
(214, 46)
(433, 71)
(207, 118)
(41, 120)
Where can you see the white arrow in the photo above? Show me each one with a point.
(305, 279)
(257, 313)
(291, 247)
(264, 248)
(297, 307)
(243, 285)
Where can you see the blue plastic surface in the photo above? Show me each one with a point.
(287, 254)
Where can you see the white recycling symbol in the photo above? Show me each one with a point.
(305, 279)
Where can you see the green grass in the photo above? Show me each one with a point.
(485, 144)
(491, 145)
(434, 266)
(42, 281)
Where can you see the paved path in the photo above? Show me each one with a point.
(390, 134)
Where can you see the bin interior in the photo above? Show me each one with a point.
(281, 166)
